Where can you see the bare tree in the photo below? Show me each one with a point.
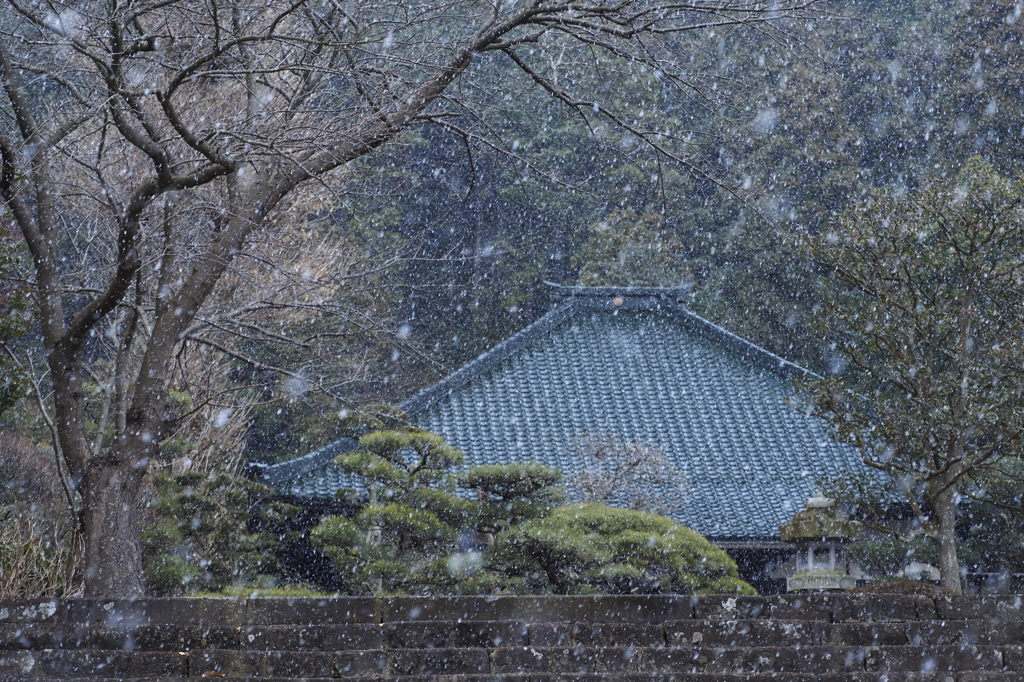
(636, 475)
(150, 143)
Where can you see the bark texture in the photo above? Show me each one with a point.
(946, 541)
(111, 512)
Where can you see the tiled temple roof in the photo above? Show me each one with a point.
(635, 364)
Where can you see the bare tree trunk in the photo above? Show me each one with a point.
(944, 506)
(111, 514)
(119, 144)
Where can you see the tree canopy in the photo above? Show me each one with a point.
(926, 303)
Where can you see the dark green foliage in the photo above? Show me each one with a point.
(885, 557)
(197, 538)
(397, 463)
(993, 519)
(869, 496)
(400, 540)
(279, 515)
(926, 303)
(508, 494)
(279, 429)
(875, 501)
(414, 535)
(897, 98)
(626, 249)
(990, 530)
(584, 548)
(365, 419)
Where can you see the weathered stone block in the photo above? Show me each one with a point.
(730, 607)
(34, 635)
(507, 677)
(605, 609)
(962, 607)
(988, 676)
(897, 676)
(965, 633)
(127, 614)
(620, 639)
(33, 610)
(311, 610)
(686, 661)
(230, 662)
(176, 637)
(934, 659)
(572, 660)
(302, 664)
(744, 633)
(1013, 658)
(438, 634)
(355, 636)
(551, 634)
(814, 660)
(437, 661)
(800, 606)
(576, 659)
(63, 664)
(623, 659)
(15, 664)
(633, 609)
(357, 663)
(785, 607)
(859, 608)
(866, 634)
(519, 659)
(596, 634)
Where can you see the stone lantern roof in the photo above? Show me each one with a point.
(821, 520)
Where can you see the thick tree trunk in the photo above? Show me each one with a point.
(944, 506)
(112, 511)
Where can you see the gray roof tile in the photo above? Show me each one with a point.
(648, 371)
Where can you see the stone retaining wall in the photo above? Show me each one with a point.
(831, 638)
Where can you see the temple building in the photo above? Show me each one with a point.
(635, 365)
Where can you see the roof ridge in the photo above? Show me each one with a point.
(474, 368)
(739, 344)
(673, 295)
(562, 291)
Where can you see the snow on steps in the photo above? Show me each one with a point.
(827, 638)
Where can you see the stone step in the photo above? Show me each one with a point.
(493, 634)
(607, 677)
(827, 638)
(821, 660)
(654, 609)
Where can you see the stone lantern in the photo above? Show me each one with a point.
(820, 533)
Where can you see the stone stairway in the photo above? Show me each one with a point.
(828, 638)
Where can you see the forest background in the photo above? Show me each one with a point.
(883, 97)
(440, 252)
(889, 97)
